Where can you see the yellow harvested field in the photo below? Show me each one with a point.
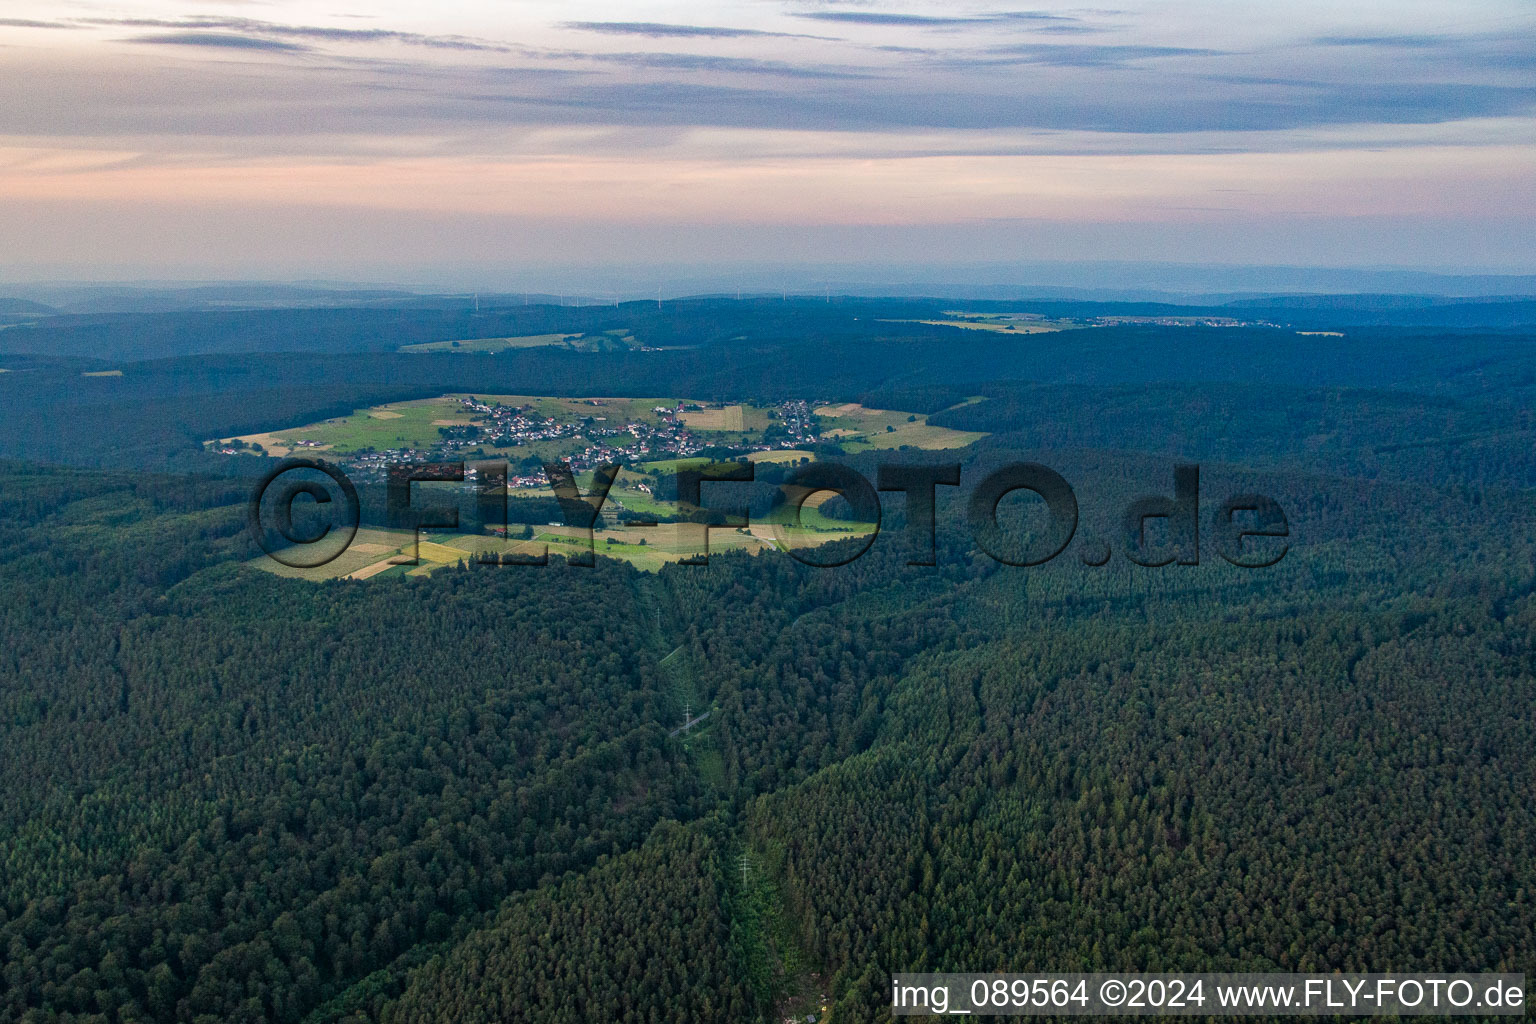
(886, 428)
(951, 439)
(731, 417)
(664, 543)
(364, 551)
(433, 551)
(372, 570)
(384, 414)
(273, 444)
(1014, 328)
(453, 423)
(787, 455)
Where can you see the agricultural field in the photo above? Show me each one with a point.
(615, 340)
(646, 548)
(487, 345)
(782, 455)
(626, 494)
(367, 556)
(382, 554)
(415, 424)
(1003, 323)
(377, 553)
(603, 341)
(1003, 328)
(728, 418)
(858, 429)
(616, 410)
(666, 465)
(588, 432)
(398, 425)
(813, 521)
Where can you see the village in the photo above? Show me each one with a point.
(674, 429)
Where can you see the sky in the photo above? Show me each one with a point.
(490, 141)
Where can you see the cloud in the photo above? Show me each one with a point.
(254, 27)
(988, 112)
(930, 20)
(28, 23)
(729, 65)
(1405, 42)
(1030, 16)
(227, 40)
(1079, 55)
(878, 18)
(349, 98)
(1068, 28)
(893, 106)
(658, 30)
(1132, 96)
(1481, 51)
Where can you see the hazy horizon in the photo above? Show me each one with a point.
(1148, 281)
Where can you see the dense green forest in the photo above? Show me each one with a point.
(263, 370)
(229, 796)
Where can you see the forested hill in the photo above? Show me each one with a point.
(230, 796)
(120, 327)
(237, 797)
(1282, 391)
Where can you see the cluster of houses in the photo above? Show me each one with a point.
(1180, 321)
(375, 465)
(506, 426)
(798, 423)
(669, 437)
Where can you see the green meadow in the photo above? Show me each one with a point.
(857, 429)
(488, 345)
